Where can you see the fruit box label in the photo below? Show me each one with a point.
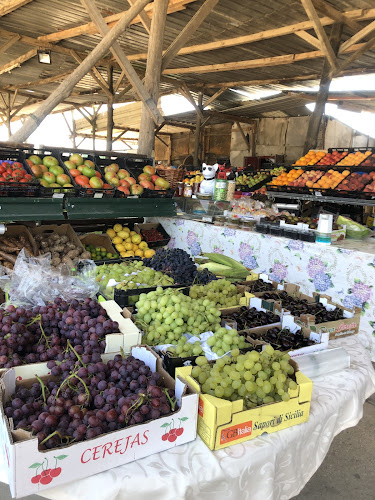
(236, 432)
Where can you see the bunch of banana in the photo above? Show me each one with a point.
(225, 267)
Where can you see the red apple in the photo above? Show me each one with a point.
(124, 189)
(37, 171)
(125, 183)
(122, 173)
(154, 177)
(147, 185)
(149, 170)
(131, 180)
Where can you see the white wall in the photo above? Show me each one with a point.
(286, 136)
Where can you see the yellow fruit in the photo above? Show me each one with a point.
(111, 233)
(143, 245)
(128, 240)
(149, 253)
(132, 232)
(123, 254)
(117, 240)
(123, 234)
(117, 228)
(129, 254)
(128, 246)
(120, 248)
(138, 253)
(135, 248)
(136, 238)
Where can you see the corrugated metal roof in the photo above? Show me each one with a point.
(229, 18)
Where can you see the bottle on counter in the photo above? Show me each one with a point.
(188, 191)
(220, 191)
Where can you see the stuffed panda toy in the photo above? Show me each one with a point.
(208, 184)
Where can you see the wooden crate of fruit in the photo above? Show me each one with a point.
(102, 246)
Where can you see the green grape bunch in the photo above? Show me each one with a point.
(225, 340)
(184, 349)
(166, 314)
(257, 378)
(222, 292)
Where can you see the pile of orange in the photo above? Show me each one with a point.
(310, 158)
(331, 179)
(285, 178)
(354, 159)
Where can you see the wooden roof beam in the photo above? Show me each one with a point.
(359, 14)
(124, 63)
(228, 117)
(111, 21)
(18, 61)
(213, 98)
(5, 46)
(336, 15)
(256, 63)
(144, 18)
(312, 40)
(184, 90)
(361, 49)
(9, 6)
(66, 87)
(187, 32)
(367, 30)
(325, 44)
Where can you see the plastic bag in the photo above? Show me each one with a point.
(354, 230)
(34, 283)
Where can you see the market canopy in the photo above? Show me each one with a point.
(218, 45)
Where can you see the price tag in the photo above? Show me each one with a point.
(58, 195)
(98, 195)
(318, 193)
(207, 219)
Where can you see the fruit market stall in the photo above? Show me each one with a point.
(344, 270)
(275, 465)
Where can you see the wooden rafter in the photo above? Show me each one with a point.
(364, 47)
(358, 14)
(336, 15)
(36, 83)
(243, 136)
(187, 32)
(255, 63)
(320, 33)
(18, 61)
(211, 99)
(66, 87)
(94, 73)
(312, 40)
(184, 90)
(91, 29)
(118, 81)
(367, 30)
(145, 19)
(5, 46)
(124, 63)
(9, 6)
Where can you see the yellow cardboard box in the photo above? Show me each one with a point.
(222, 423)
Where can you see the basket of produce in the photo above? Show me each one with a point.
(16, 238)
(129, 243)
(86, 176)
(310, 158)
(154, 234)
(99, 246)
(15, 178)
(172, 175)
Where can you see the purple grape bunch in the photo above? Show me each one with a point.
(44, 332)
(87, 398)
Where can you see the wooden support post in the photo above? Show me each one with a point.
(146, 142)
(74, 130)
(244, 137)
(110, 110)
(8, 111)
(197, 135)
(321, 99)
(65, 88)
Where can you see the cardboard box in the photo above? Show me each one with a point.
(349, 325)
(128, 329)
(139, 228)
(85, 458)
(15, 230)
(288, 321)
(98, 240)
(60, 229)
(228, 323)
(222, 423)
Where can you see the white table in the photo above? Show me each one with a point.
(271, 467)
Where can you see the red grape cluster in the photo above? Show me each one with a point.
(43, 333)
(87, 398)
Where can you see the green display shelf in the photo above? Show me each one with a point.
(107, 208)
(31, 209)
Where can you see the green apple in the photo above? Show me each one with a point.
(50, 161)
(35, 159)
(56, 170)
(62, 179)
(88, 172)
(70, 164)
(49, 177)
(89, 163)
(44, 183)
(76, 158)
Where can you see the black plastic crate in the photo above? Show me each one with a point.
(136, 164)
(171, 363)
(121, 297)
(17, 189)
(158, 227)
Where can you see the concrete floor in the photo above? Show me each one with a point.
(347, 473)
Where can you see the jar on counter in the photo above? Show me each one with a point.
(231, 187)
(196, 186)
(180, 189)
(188, 191)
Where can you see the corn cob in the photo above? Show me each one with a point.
(225, 261)
(225, 271)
